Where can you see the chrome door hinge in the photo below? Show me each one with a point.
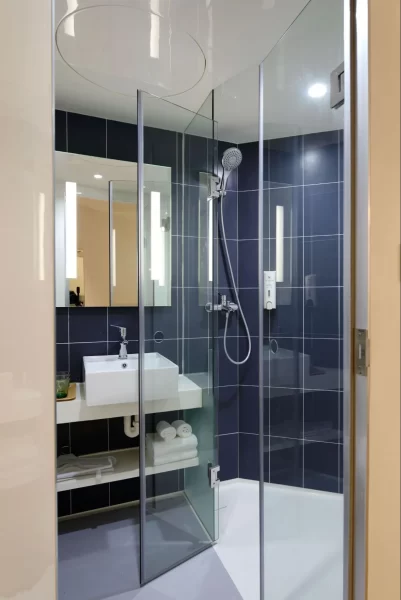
(361, 352)
(214, 475)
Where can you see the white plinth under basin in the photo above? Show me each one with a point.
(112, 380)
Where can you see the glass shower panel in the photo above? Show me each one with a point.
(177, 513)
(303, 332)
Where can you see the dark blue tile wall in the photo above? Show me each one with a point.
(303, 336)
(88, 331)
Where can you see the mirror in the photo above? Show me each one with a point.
(96, 232)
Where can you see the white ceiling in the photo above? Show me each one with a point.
(197, 45)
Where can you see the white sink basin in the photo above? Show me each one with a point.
(112, 380)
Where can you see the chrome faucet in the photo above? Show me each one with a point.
(224, 305)
(123, 344)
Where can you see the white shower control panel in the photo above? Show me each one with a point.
(269, 279)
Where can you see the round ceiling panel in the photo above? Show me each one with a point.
(123, 49)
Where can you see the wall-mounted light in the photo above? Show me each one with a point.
(157, 249)
(210, 238)
(71, 230)
(154, 29)
(279, 244)
(317, 90)
(114, 258)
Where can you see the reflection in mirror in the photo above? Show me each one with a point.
(96, 232)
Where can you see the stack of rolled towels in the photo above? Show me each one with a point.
(171, 443)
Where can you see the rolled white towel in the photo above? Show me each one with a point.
(183, 429)
(170, 458)
(157, 447)
(166, 431)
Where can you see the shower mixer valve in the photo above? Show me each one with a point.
(224, 305)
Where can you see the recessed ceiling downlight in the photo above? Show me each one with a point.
(98, 176)
(317, 90)
(148, 52)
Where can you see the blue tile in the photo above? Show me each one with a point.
(284, 160)
(196, 158)
(177, 250)
(248, 219)
(198, 322)
(231, 216)
(88, 325)
(286, 320)
(63, 503)
(248, 264)
(227, 372)
(191, 254)
(177, 193)
(248, 171)
(196, 355)
(321, 313)
(286, 414)
(163, 148)
(248, 372)
(321, 466)
(127, 317)
(224, 278)
(283, 362)
(321, 157)
(227, 402)
(248, 456)
(89, 436)
(341, 468)
(62, 357)
(90, 498)
(63, 439)
(193, 201)
(162, 483)
(286, 460)
(341, 201)
(60, 126)
(291, 199)
(322, 364)
(250, 306)
(322, 209)
(249, 409)
(165, 319)
(78, 351)
(321, 416)
(341, 153)
(122, 141)
(86, 135)
(228, 456)
(322, 259)
(123, 491)
(61, 325)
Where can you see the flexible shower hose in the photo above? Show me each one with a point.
(223, 230)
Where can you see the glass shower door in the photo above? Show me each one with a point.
(176, 342)
(304, 333)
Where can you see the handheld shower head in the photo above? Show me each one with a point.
(231, 159)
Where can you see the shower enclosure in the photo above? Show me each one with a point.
(283, 230)
(240, 285)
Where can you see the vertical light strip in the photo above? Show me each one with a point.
(154, 29)
(162, 257)
(71, 230)
(210, 238)
(41, 237)
(279, 244)
(155, 236)
(114, 258)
